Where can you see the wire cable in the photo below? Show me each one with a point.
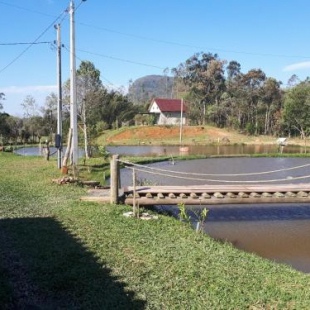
(213, 174)
(120, 59)
(25, 43)
(222, 181)
(33, 43)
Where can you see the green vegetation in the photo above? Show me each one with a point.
(59, 252)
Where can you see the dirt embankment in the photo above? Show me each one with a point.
(190, 135)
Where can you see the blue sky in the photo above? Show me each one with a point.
(128, 39)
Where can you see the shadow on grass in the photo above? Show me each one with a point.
(46, 267)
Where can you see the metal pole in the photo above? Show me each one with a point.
(59, 106)
(73, 103)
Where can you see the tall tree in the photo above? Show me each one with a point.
(30, 106)
(88, 83)
(203, 73)
(297, 109)
(271, 104)
(2, 97)
(234, 97)
(252, 83)
(4, 128)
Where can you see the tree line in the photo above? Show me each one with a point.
(216, 92)
(98, 109)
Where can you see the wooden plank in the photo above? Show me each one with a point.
(215, 201)
(221, 188)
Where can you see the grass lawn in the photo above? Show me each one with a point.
(60, 253)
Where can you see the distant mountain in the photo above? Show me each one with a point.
(144, 89)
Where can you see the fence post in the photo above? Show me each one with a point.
(134, 207)
(114, 179)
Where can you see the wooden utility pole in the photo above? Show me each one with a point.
(73, 102)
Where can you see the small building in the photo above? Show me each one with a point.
(168, 111)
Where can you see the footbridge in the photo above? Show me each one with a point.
(256, 191)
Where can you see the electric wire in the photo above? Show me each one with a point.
(159, 40)
(67, 50)
(121, 59)
(31, 44)
(189, 45)
(25, 43)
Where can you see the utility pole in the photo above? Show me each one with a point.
(59, 106)
(73, 103)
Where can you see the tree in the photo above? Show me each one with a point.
(233, 99)
(203, 73)
(271, 104)
(2, 97)
(4, 128)
(30, 107)
(252, 83)
(88, 83)
(297, 109)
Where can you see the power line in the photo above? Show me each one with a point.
(82, 60)
(121, 59)
(33, 43)
(189, 45)
(25, 9)
(25, 43)
(159, 40)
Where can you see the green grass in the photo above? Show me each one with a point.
(78, 255)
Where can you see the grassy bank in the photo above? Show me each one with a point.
(60, 253)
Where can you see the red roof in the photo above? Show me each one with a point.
(169, 105)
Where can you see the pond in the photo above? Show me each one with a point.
(38, 151)
(278, 232)
(240, 149)
(168, 150)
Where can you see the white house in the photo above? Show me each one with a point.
(168, 111)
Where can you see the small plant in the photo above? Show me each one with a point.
(183, 215)
(201, 218)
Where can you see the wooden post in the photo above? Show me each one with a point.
(67, 153)
(114, 179)
(134, 207)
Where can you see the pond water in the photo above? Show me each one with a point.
(156, 150)
(169, 150)
(276, 232)
(279, 232)
(38, 151)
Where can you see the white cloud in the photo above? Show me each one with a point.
(14, 96)
(297, 66)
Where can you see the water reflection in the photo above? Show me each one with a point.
(156, 150)
(38, 151)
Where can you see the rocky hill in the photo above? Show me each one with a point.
(144, 89)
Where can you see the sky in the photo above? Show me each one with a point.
(129, 39)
